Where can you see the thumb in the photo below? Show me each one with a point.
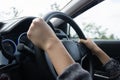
(82, 41)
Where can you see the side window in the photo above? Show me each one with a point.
(101, 21)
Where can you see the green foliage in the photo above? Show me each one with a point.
(13, 12)
(55, 7)
(97, 32)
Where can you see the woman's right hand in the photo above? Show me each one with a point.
(41, 34)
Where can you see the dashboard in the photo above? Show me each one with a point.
(13, 32)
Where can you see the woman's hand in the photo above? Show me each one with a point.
(41, 34)
(104, 58)
(91, 45)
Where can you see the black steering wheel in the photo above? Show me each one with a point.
(76, 50)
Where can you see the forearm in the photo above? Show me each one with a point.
(103, 57)
(59, 56)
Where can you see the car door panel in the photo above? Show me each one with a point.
(112, 48)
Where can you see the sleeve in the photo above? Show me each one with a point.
(74, 72)
(113, 69)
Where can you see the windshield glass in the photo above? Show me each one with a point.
(101, 21)
(17, 8)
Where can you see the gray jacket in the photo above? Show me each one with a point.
(76, 72)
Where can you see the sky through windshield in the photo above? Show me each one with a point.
(28, 7)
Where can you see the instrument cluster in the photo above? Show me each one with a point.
(10, 46)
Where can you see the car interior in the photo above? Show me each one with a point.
(21, 60)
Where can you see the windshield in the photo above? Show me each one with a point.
(101, 21)
(17, 8)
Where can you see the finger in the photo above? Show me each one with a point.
(82, 41)
(36, 20)
(29, 31)
(89, 39)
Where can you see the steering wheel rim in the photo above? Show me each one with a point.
(79, 32)
(67, 19)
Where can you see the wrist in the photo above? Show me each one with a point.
(51, 43)
(96, 51)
